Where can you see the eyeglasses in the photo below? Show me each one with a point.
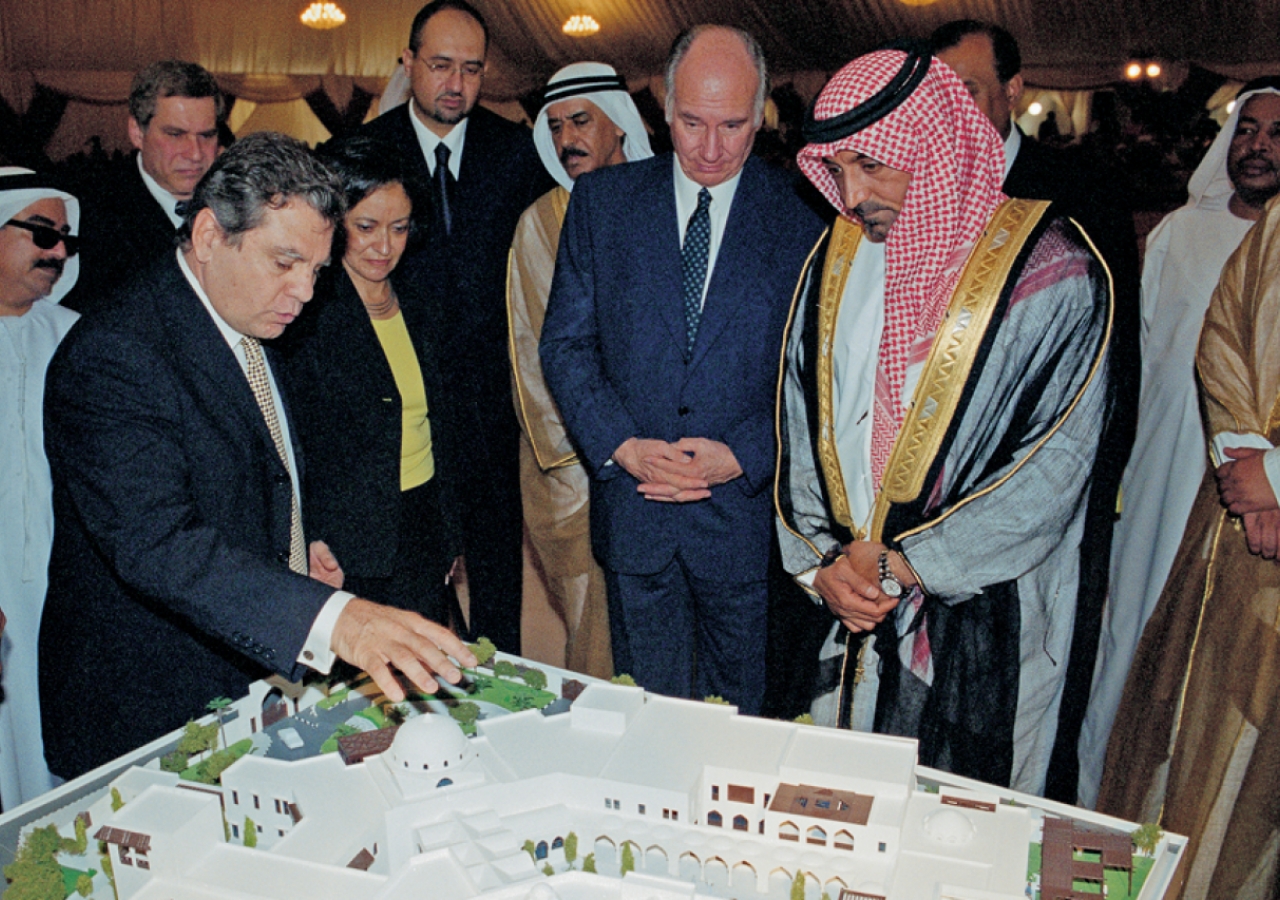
(47, 238)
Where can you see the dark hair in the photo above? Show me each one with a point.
(1003, 46)
(1257, 84)
(680, 49)
(172, 78)
(437, 6)
(263, 171)
(363, 164)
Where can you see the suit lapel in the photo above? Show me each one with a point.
(733, 273)
(663, 259)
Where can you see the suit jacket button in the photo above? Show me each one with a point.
(684, 410)
(281, 478)
(283, 557)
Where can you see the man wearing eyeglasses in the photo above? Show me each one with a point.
(132, 213)
(483, 172)
(38, 265)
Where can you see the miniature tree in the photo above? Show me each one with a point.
(535, 678)
(465, 713)
(624, 679)
(628, 860)
(532, 850)
(1147, 838)
(116, 800)
(84, 885)
(82, 836)
(483, 650)
(589, 863)
(250, 833)
(803, 719)
(570, 848)
(547, 870)
(395, 713)
(176, 761)
(505, 668)
(216, 706)
(797, 887)
(716, 699)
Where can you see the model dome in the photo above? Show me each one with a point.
(949, 826)
(430, 744)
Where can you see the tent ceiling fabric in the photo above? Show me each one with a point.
(1066, 45)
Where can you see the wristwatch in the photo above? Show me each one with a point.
(889, 582)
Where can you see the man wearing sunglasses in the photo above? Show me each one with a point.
(38, 266)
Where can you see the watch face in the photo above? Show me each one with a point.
(891, 587)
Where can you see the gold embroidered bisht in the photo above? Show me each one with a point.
(553, 483)
(984, 491)
(1196, 744)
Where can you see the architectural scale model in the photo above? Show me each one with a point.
(621, 794)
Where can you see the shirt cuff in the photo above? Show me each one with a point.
(1271, 465)
(317, 653)
(1224, 439)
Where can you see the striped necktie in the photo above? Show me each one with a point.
(256, 369)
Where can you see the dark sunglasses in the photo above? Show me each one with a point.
(47, 238)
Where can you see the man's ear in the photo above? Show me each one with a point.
(1013, 93)
(205, 233)
(136, 132)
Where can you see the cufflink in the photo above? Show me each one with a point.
(308, 655)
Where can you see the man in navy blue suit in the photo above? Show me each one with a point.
(661, 347)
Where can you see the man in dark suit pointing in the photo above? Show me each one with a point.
(661, 346)
(179, 569)
(484, 172)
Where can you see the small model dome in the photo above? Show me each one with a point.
(430, 744)
(949, 826)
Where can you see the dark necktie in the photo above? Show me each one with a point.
(444, 184)
(180, 208)
(693, 266)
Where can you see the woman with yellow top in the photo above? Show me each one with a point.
(374, 424)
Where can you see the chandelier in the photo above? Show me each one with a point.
(322, 15)
(580, 26)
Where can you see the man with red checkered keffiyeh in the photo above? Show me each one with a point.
(944, 391)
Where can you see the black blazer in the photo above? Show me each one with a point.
(348, 415)
(169, 582)
(465, 276)
(123, 231)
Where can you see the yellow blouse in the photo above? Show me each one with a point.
(417, 465)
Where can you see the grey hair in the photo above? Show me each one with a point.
(172, 78)
(681, 48)
(264, 171)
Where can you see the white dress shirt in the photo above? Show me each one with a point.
(687, 203)
(428, 140)
(316, 652)
(167, 201)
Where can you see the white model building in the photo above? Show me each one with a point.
(710, 804)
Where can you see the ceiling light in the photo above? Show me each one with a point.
(1153, 70)
(1035, 108)
(322, 15)
(580, 25)
(1133, 71)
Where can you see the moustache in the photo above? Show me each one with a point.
(569, 152)
(56, 265)
(1257, 156)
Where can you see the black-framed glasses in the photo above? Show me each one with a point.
(47, 238)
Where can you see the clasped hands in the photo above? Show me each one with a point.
(851, 585)
(677, 473)
(1246, 491)
(378, 639)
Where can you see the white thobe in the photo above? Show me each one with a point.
(27, 343)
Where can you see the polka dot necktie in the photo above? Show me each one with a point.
(693, 266)
(256, 370)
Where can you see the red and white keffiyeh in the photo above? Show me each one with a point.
(956, 161)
